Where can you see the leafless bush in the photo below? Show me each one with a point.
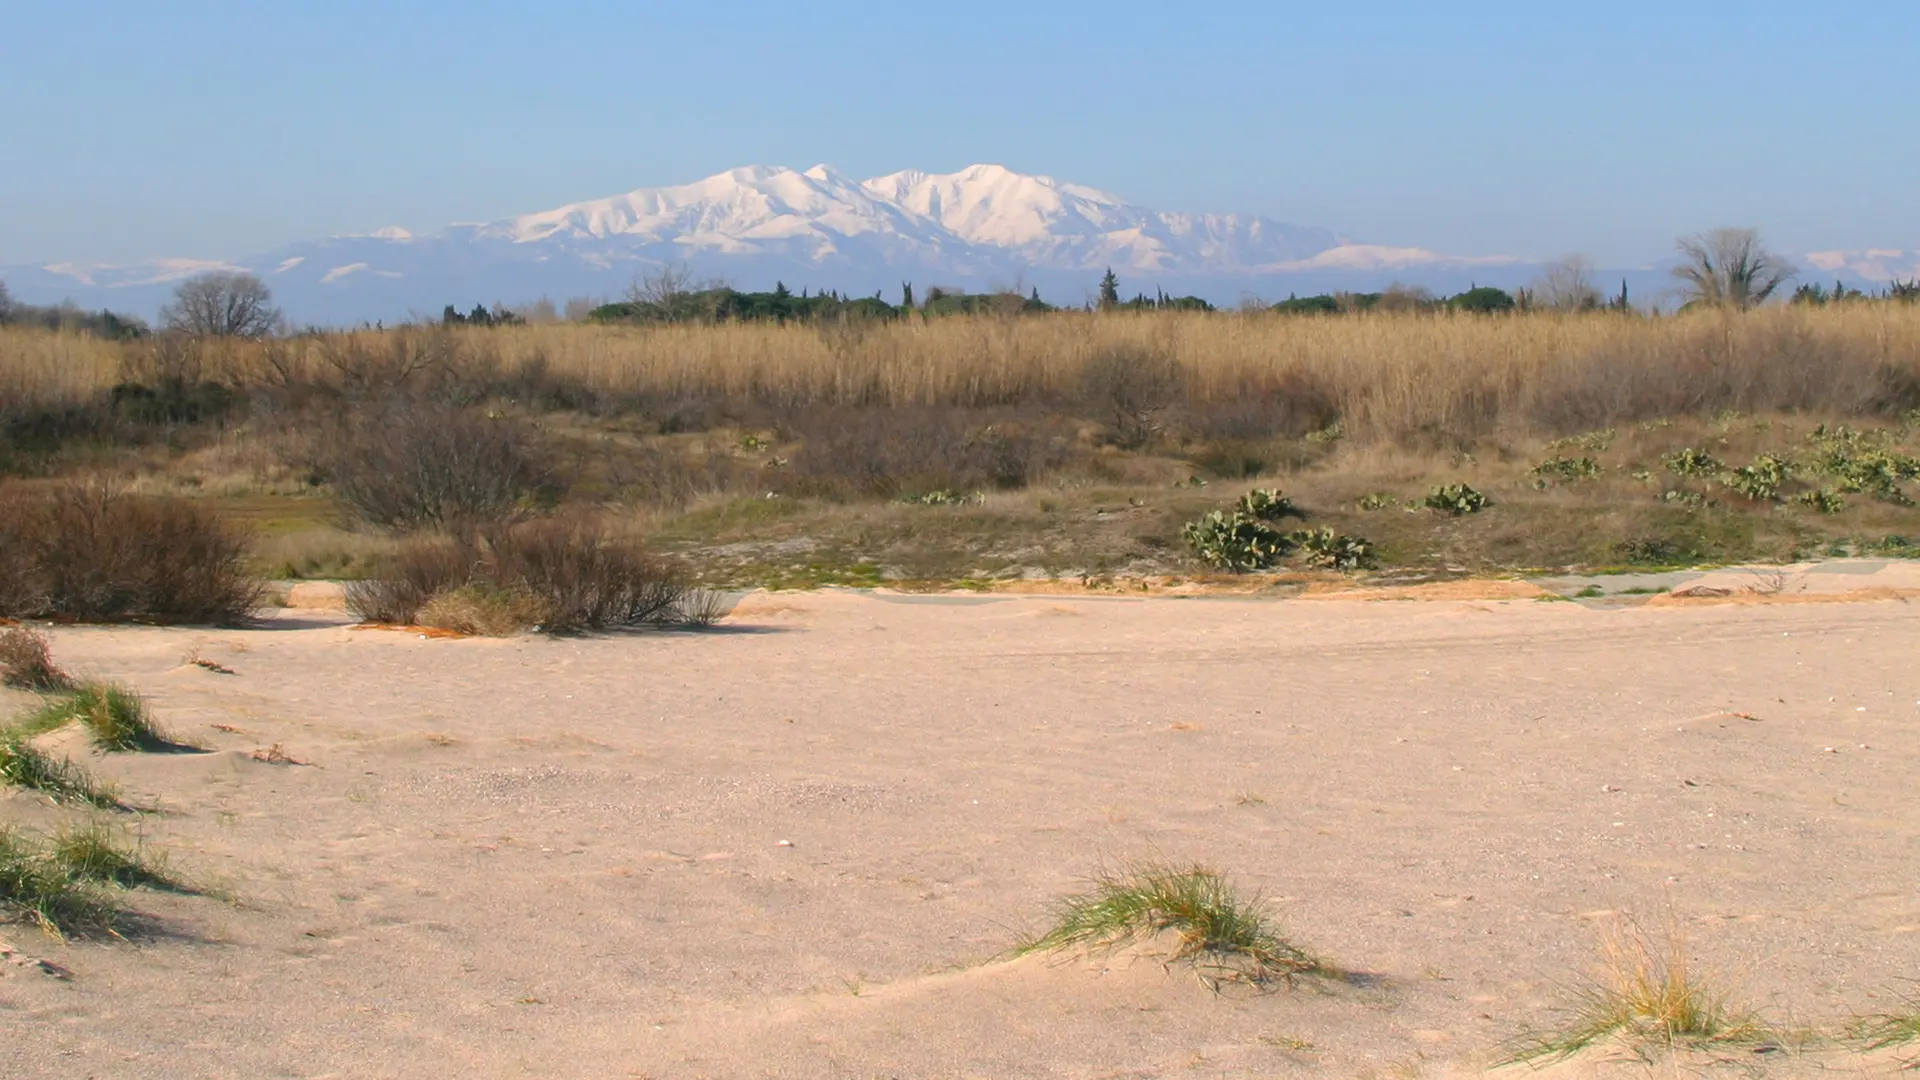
(1130, 387)
(26, 662)
(86, 552)
(560, 575)
(410, 464)
(884, 452)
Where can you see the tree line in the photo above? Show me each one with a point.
(1724, 268)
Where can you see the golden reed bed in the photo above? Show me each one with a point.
(1382, 375)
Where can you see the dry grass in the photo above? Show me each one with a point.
(1385, 375)
(1645, 995)
(26, 662)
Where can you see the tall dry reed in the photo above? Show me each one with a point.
(1384, 375)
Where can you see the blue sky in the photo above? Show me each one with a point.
(205, 129)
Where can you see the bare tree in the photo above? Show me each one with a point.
(222, 304)
(1729, 268)
(579, 307)
(1566, 284)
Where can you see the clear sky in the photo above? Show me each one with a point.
(140, 128)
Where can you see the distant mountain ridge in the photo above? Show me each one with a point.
(983, 226)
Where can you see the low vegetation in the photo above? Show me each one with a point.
(550, 574)
(114, 716)
(1227, 936)
(91, 553)
(24, 765)
(26, 662)
(1244, 538)
(38, 886)
(1643, 994)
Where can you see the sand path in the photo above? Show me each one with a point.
(564, 858)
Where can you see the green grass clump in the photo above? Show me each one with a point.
(115, 715)
(26, 766)
(1642, 993)
(1888, 1030)
(38, 887)
(1229, 937)
(94, 852)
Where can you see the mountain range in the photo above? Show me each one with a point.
(982, 227)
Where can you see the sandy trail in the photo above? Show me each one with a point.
(563, 858)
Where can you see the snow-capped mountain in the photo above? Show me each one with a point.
(984, 226)
(1879, 265)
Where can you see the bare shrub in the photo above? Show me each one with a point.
(26, 662)
(1129, 387)
(882, 452)
(222, 304)
(86, 552)
(1289, 404)
(1729, 268)
(559, 575)
(410, 464)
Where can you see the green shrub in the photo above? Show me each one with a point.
(1823, 500)
(1232, 541)
(1376, 500)
(1691, 462)
(1266, 504)
(1456, 499)
(1334, 551)
(1566, 469)
(1759, 481)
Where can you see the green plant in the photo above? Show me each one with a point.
(1336, 551)
(113, 714)
(26, 662)
(37, 886)
(95, 852)
(1691, 462)
(1375, 500)
(1236, 542)
(1650, 551)
(1456, 499)
(1886, 1030)
(25, 765)
(1692, 500)
(1644, 993)
(942, 497)
(1566, 469)
(1228, 936)
(1823, 500)
(1266, 504)
(1759, 481)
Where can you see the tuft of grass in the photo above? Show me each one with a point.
(1888, 1030)
(1229, 937)
(485, 610)
(1645, 993)
(95, 852)
(115, 715)
(38, 887)
(26, 766)
(26, 662)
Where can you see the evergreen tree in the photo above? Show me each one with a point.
(1109, 291)
(906, 295)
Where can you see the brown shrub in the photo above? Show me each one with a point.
(886, 452)
(1129, 387)
(411, 463)
(86, 552)
(26, 662)
(559, 575)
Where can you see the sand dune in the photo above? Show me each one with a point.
(565, 858)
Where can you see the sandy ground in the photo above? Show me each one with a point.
(565, 858)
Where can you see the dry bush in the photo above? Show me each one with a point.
(409, 463)
(559, 575)
(26, 662)
(1129, 387)
(884, 453)
(86, 552)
